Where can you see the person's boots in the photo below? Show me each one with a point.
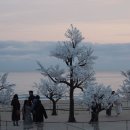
(14, 123)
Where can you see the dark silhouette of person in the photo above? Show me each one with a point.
(27, 115)
(93, 112)
(108, 110)
(110, 105)
(39, 112)
(31, 99)
(15, 110)
(31, 96)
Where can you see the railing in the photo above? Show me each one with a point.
(6, 123)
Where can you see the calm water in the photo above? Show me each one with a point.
(25, 80)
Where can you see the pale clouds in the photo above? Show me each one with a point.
(48, 19)
(112, 57)
(22, 56)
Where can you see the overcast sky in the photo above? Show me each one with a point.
(103, 21)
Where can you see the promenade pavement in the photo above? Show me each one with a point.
(59, 122)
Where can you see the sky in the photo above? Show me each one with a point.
(30, 29)
(102, 21)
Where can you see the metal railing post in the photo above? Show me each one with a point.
(0, 120)
(126, 125)
(6, 125)
(66, 127)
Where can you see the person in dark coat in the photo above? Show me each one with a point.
(93, 112)
(31, 96)
(110, 104)
(15, 110)
(27, 115)
(40, 112)
(109, 109)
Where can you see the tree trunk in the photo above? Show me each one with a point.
(71, 108)
(54, 108)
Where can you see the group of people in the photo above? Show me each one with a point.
(32, 111)
(113, 101)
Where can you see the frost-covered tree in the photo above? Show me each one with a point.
(78, 60)
(6, 89)
(125, 87)
(53, 91)
(100, 96)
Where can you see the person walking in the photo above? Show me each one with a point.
(110, 104)
(93, 109)
(27, 115)
(40, 113)
(109, 109)
(31, 98)
(15, 110)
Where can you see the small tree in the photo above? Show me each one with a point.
(52, 91)
(125, 87)
(78, 62)
(100, 96)
(6, 89)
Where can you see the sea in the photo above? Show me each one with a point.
(25, 81)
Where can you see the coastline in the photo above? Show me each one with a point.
(25, 80)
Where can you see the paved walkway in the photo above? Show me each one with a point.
(59, 122)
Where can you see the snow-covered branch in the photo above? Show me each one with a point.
(125, 87)
(74, 35)
(51, 90)
(6, 89)
(99, 94)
